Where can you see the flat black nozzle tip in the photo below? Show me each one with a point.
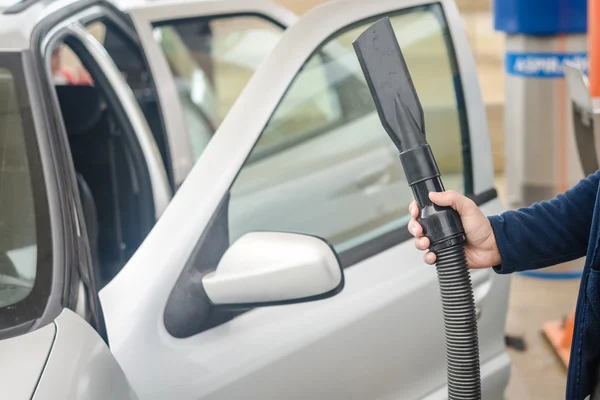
(389, 81)
(368, 34)
(411, 133)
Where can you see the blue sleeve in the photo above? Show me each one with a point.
(547, 233)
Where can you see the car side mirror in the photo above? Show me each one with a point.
(273, 268)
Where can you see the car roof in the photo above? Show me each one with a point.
(18, 18)
(17, 21)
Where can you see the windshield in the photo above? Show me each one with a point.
(18, 244)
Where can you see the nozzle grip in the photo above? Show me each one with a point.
(442, 225)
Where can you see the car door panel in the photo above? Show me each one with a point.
(353, 346)
(381, 337)
(334, 348)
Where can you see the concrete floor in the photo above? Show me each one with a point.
(537, 372)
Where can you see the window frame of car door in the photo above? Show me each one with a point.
(147, 15)
(480, 193)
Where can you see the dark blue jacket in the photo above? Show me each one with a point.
(551, 232)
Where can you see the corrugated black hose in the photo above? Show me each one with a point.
(462, 348)
(402, 117)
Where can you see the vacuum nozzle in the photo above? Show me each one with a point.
(391, 85)
(402, 117)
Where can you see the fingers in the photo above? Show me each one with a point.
(422, 243)
(429, 258)
(452, 199)
(413, 208)
(415, 228)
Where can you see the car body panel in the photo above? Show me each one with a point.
(23, 360)
(314, 350)
(16, 29)
(81, 366)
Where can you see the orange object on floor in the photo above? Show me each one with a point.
(560, 336)
(594, 47)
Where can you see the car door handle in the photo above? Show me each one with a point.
(373, 181)
(481, 280)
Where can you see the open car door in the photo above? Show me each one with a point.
(202, 54)
(302, 150)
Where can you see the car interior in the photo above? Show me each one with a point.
(112, 177)
(127, 57)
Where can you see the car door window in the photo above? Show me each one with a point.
(211, 60)
(324, 165)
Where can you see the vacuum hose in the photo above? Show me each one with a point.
(462, 351)
(402, 117)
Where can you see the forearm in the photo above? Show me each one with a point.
(549, 232)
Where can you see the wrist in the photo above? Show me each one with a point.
(492, 246)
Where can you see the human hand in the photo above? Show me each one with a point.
(481, 249)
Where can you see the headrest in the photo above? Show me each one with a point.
(81, 107)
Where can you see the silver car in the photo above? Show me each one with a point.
(169, 168)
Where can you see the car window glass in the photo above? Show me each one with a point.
(211, 60)
(324, 165)
(18, 243)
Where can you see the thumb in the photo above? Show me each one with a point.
(450, 198)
